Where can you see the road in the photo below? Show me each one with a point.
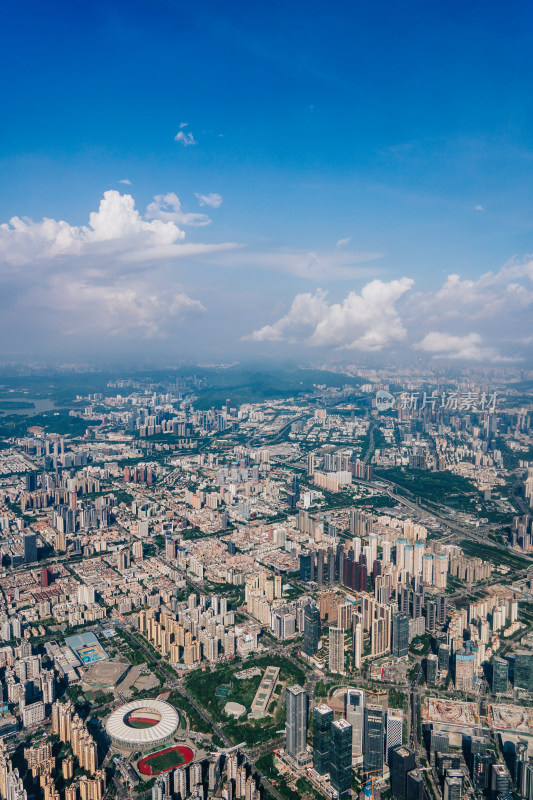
(384, 486)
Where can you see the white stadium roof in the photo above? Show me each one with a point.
(122, 733)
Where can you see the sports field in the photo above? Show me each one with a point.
(166, 759)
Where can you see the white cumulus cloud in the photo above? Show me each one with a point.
(465, 348)
(368, 321)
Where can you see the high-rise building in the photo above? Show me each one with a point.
(374, 739)
(357, 637)
(305, 567)
(432, 663)
(439, 743)
(415, 785)
(394, 730)
(442, 607)
(401, 762)
(526, 781)
(340, 770)
(453, 786)
(443, 654)
(30, 548)
(464, 671)
(523, 670)
(500, 675)
(322, 721)
(500, 781)
(296, 722)
(431, 616)
(311, 629)
(354, 705)
(400, 635)
(336, 650)
(481, 768)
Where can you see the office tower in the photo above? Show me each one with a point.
(322, 720)
(400, 635)
(500, 781)
(295, 487)
(354, 705)
(444, 657)
(394, 730)
(45, 577)
(431, 616)
(374, 736)
(453, 786)
(401, 762)
(526, 781)
(464, 671)
(439, 743)
(500, 675)
(523, 670)
(481, 769)
(336, 650)
(320, 567)
(415, 785)
(305, 567)
(340, 769)
(296, 722)
(30, 548)
(442, 607)
(520, 760)
(30, 479)
(432, 663)
(311, 629)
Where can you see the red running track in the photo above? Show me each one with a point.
(144, 765)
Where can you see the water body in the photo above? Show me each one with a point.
(40, 404)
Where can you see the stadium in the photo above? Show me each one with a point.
(142, 724)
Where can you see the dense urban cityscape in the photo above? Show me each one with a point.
(266, 400)
(325, 593)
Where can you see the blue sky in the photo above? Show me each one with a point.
(346, 144)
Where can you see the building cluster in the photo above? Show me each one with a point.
(228, 776)
(201, 628)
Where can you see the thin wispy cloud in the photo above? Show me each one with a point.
(186, 139)
(479, 208)
(214, 200)
(343, 242)
(126, 181)
(167, 207)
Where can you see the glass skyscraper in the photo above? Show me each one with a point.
(340, 770)
(322, 721)
(296, 722)
(500, 675)
(374, 739)
(523, 670)
(311, 629)
(400, 635)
